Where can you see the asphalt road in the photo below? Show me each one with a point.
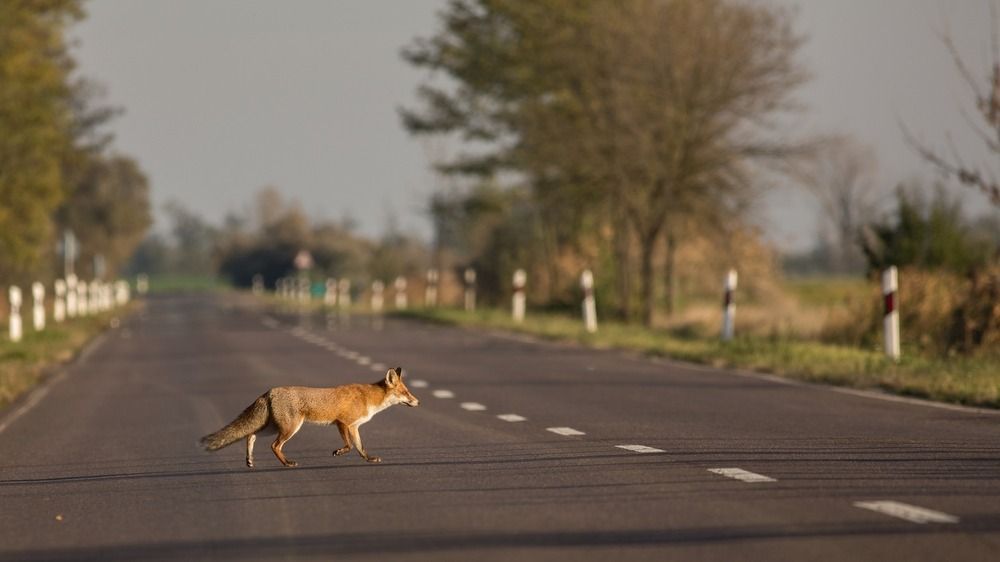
(102, 463)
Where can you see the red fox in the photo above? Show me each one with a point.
(283, 409)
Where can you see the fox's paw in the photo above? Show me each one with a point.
(341, 451)
(374, 459)
(291, 464)
(249, 464)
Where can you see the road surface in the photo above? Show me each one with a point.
(519, 450)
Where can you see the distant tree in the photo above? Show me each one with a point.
(194, 241)
(840, 173)
(108, 211)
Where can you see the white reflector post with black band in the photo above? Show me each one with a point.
(890, 297)
(470, 289)
(377, 289)
(729, 306)
(431, 290)
(400, 293)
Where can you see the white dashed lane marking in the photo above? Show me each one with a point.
(364, 360)
(378, 367)
(565, 431)
(512, 418)
(443, 394)
(742, 475)
(417, 383)
(640, 449)
(911, 513)
(473, 406)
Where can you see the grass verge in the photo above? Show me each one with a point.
(973, 381)
(24, 364)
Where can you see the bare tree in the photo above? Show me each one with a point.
(984, 123)
(841, 174)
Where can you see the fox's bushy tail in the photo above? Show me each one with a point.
(252, 420)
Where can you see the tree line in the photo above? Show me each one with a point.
(57, 169)
(604, 134)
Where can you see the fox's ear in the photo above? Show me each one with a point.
(391, 377)
(399, 371)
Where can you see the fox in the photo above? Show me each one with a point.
(284, 409)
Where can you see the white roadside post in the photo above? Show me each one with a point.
(378, 288)
(93, 297)
(257, 284)
(344, 298)
(81, 298)
(330, 292)
(142, 284)
(107, 296)
(14, 324)
(890, 285)
(305, 289)
(121, 293)
(431, 291)
(71, 296)
(589, 306)
(400, 287)
(729, 307)
(59, 301)
(520, 278)
(38, 306)
(470, 289)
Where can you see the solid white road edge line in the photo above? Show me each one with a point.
(512, 418)
(742, 475)
(640, 449)
(567, 431)
(911, 513)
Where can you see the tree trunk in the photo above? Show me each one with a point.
(624, 273)
(648, 282)
(670, 273)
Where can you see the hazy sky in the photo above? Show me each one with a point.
(223, 97)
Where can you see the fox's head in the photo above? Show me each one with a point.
(398, 392)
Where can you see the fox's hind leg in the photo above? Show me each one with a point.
(284, 434)
(250, 439)
(346, 436)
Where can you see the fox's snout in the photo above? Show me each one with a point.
(412, 402)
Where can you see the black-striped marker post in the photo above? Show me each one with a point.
(400, 289)
(344, 293)
(330, 292)
(729, 306)
(378, 288)
(431, 290)
(470, 289)
(890, 321)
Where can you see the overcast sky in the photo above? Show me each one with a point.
(223, 97)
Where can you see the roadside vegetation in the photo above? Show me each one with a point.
(800, 341)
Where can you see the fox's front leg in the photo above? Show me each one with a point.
(346, 436)
(356, 437)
